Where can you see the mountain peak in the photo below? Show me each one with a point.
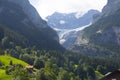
(71, 20)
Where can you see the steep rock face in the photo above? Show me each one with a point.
(20, 17)
(111, 7)
(103, 36)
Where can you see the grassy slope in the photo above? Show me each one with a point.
(98, 75)
(5, 59)
(3, 75)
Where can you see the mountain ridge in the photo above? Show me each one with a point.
(70, 20)
(102, 37)
(13, 17)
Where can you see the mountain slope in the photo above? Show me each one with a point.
(102, 37)
(4, 76)
(22, 19)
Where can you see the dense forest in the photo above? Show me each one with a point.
(53, 65)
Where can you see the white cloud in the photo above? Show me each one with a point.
(47, 7)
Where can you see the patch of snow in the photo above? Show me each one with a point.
(99, 31)
(63, 32)
(81, 28)
(56, 29)
(62, 22)
(79, 14)
(62, 41)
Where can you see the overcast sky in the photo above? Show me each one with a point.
(48, 7)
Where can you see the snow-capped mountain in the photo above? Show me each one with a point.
(68, 25)
(70, 20)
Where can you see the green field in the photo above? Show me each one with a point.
(5, 59)
(99, 75)
(3, 75)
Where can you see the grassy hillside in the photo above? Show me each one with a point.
(5, 60)
(98, 75)
(4, 76)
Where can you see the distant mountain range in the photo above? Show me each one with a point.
(21, 25)
(68, 25)
(70, 20)
(100, 38)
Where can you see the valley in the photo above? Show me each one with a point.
(64, 46)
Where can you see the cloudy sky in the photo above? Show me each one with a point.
(48, 7)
